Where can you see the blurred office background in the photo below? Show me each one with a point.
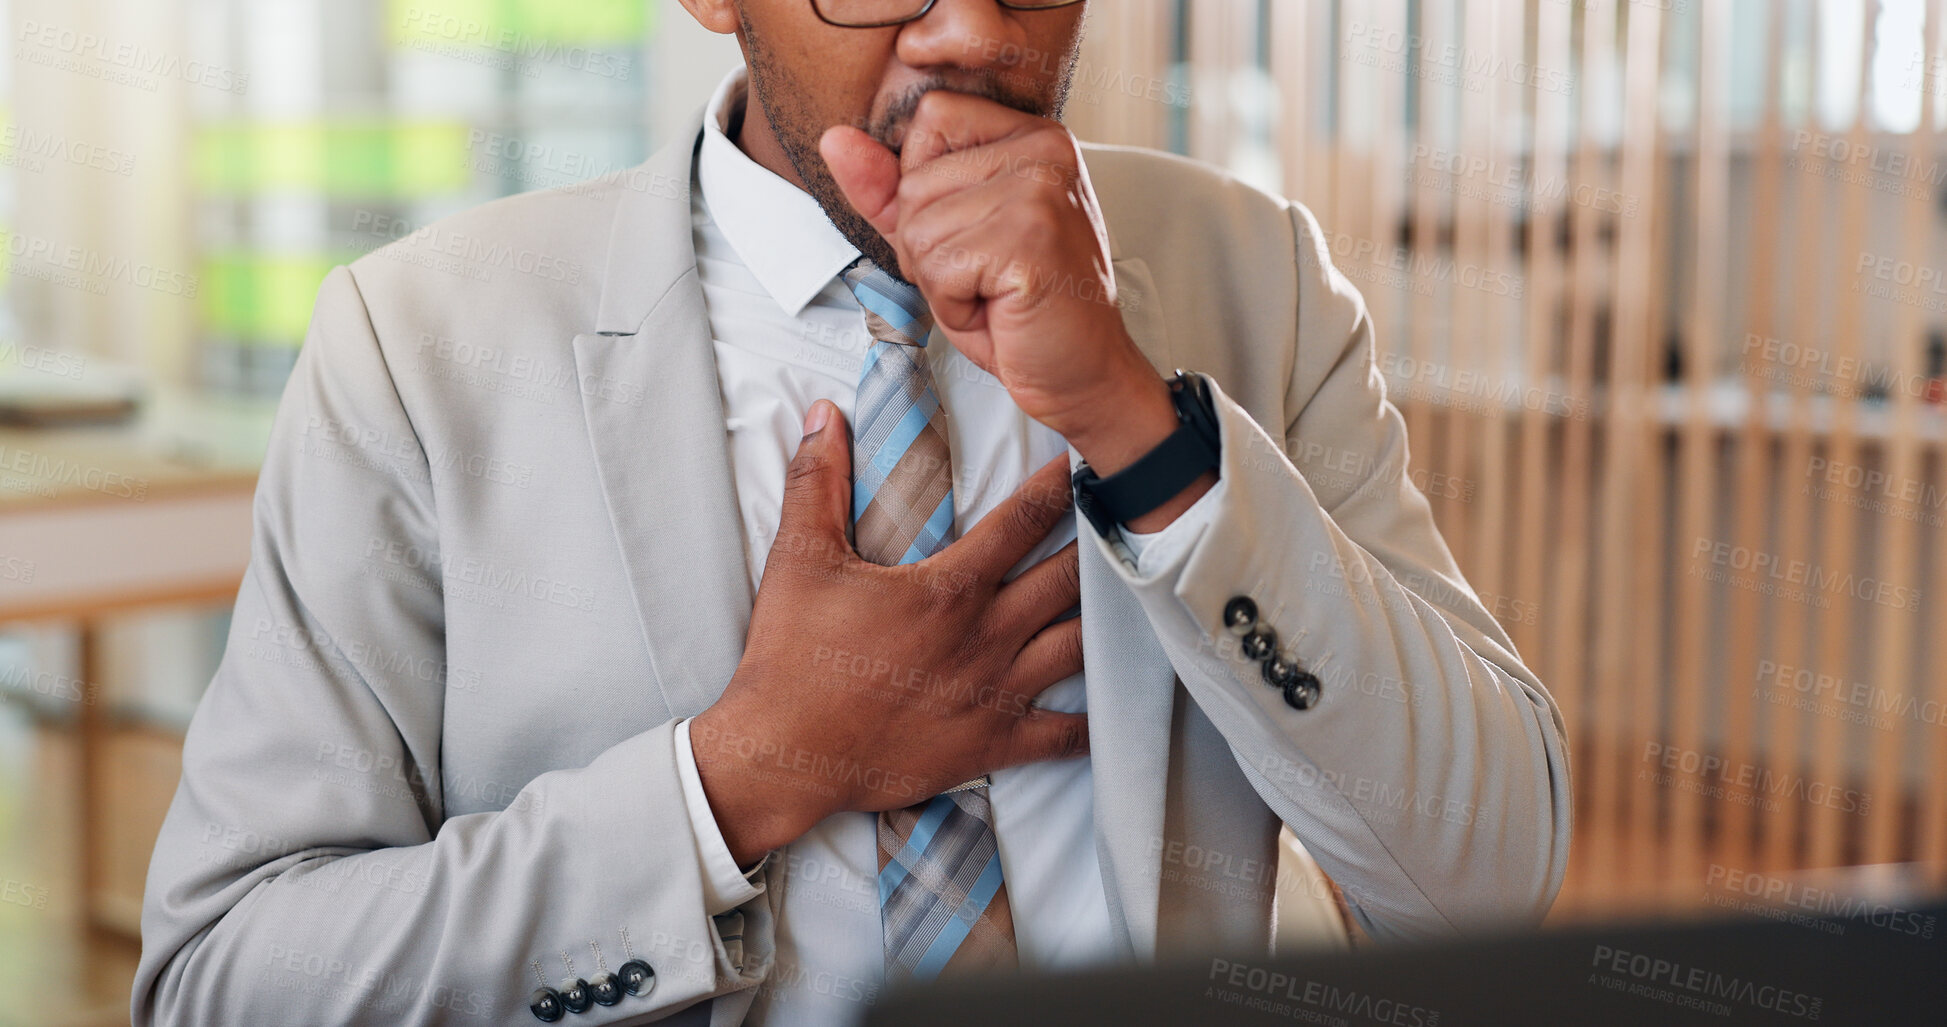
(1659, 285)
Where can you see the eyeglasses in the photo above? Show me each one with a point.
(873, 14)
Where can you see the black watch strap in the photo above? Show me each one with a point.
(1162, 472)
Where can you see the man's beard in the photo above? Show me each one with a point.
(798, 132)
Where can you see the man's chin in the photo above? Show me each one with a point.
(881, 254)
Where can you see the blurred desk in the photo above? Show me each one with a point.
(153, 511)
(96, 521)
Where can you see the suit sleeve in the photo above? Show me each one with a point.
(306, 872)
(1430, 779)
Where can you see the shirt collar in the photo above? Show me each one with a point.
(779, 231)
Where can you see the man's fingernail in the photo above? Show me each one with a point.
(820, 415)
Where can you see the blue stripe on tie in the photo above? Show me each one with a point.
(871, 358)
(904, 433)
(929, 536)
(897, 316)
(957, 929)
(882, 400)
(871, 466)
(929, 822)
(896, 382)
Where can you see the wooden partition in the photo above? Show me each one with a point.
(1661, 293)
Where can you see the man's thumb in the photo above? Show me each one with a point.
(818, 484)
(866, 172)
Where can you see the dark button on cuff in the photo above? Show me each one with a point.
(603, 989)
(545, 1004)
(574, 995)
(1261, 642)
(1240, 615)
(1280, 671)
(1302, 693)
(637, 977)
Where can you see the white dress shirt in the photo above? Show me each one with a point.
(787, 332)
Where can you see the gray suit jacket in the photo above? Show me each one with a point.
(497, 555)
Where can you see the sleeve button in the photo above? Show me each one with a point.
(637, 977)
(603, 989)
(545, 1004)
(1260, 643)
(1280, 671)
(1240, 615)
(1302, 694)
(574, 995)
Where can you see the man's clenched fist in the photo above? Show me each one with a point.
(991, 214)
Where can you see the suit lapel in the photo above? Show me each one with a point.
(1131, 689)
(655, 421)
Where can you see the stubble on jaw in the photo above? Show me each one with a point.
(798, 130)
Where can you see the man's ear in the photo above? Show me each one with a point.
(718, 16)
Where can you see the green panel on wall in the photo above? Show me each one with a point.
(430, 158)
(588, 21)
(227, 297)
(520, 27)
(262, 298)
(358, 160)
(220, 159)
(290, 156)
(345, 160)
(287, 288)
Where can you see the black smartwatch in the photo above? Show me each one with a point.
(1162, 472)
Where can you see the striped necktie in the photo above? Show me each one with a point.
(941, 899)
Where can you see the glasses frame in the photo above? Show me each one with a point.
(818, 8)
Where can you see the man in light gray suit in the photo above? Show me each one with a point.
(661, 588)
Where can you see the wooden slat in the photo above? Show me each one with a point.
(1791, 623)
(1697, 457)
(1216, 51)
(1115, 63)
(1352, 180)
(1535, 543)
(1571, 625)
(1472, 214)
(1387, 191)
(1349, 209)
(1750, 506)
(1432, 204)
(1296, 39)
(1930, 685)
(1829, 822)
(1628, 698)
(1332, 212)
(1647, 652)
(1499, 330)
(1898, 560)
(1324, 48)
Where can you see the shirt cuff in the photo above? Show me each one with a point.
(725, 887)
(1152, 550)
